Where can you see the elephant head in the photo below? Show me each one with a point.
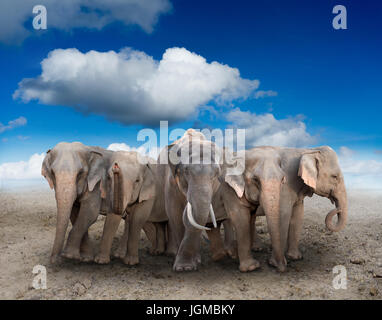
(195, 167)
(130, 179)
(260, 184)
(72, 169)
(320, 171)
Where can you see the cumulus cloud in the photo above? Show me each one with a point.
(20, 170)
(151, 152)
(131, 87)
(70, 14)
(354, 166)
(265, 129)
(19, 122)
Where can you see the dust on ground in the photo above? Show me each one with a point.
(27, 227)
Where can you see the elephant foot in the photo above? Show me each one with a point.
(87, 254)
(216, 256)
(232, 252)
(294, 255)
(102, 259)
(183, 265)
(131, 260)
(87, 257)
(281, 266)
(71, 254)
(249, 265)
(120, 253)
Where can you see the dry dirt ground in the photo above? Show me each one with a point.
(27, 226)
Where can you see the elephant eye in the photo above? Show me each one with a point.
(256, 180)
(80, 173)
(334, 176)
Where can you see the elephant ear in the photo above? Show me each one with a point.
(233, 172)
(46, 171)
(308, 170)
(236, 182)
(96, 171)
(147, 191)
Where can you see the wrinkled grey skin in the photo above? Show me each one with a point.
(137, 187)
(260, 184)
(75, 171)
(193, 183)
(308, 171)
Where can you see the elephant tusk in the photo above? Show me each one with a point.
(191, 218)
(213, 216)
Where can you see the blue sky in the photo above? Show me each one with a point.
(322, 81)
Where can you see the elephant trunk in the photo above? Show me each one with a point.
(118, 192)
(270, 200)
(340, 199)
(199, 207)
(66, 194)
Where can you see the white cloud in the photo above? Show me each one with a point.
(152, 152)
(346, 152)
(19, 122)
(30, 169)
(132, 87)
(263, 94)
(360, 172)
(265, 129)
(69, 14)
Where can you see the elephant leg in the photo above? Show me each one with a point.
(122, 247)
(285, 219)
(257, 245)
(78, 245)
(230, 244)
(216, 244)
(174, 209)
(171, 247)
(241, 220)
(161, 237)
(188, 256)
(109, 230)
(151, 233)
(139, 217)
(295, 228)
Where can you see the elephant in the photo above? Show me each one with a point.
(131, 190)
(74, 170)
(261, 183)
(308, 171)
(190, 180)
